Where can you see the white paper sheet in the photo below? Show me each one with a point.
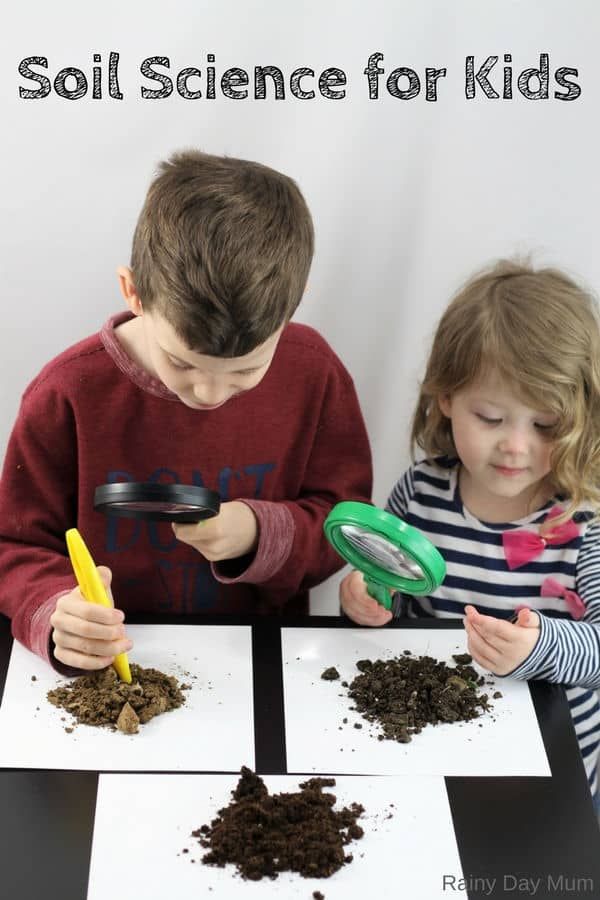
(505, 741)
(137, 845)
(213, 730)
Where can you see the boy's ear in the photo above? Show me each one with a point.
(445, 405)
(127, 286)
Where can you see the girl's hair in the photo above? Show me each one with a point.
(541, 332)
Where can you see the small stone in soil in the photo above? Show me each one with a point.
(330, 674)
(128, 721)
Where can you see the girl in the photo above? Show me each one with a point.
(508, 418)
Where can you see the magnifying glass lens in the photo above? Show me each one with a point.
(156, 502)
(153, 506)
(381, 551)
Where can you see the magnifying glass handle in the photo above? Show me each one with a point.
(380, 593)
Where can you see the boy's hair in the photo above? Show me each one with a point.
(222, 249)
(540, 331)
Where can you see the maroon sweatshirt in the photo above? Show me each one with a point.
(291, 448)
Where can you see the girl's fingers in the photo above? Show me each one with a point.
(358, 605)
(527, 618)
(497, 632)
(483, 661)
(482, 649)
(383, 616)
(364, 613)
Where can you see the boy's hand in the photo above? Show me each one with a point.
(498, 645)
(233, 533)
(358, 605)
(86, 635)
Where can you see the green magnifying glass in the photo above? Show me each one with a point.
(391, 554)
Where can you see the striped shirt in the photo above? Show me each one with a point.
(567, 651)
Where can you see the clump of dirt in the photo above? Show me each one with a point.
(101, 698)
(404, 694)
(330, 674)
(264, 834)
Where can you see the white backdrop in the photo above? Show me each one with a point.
(408, 195)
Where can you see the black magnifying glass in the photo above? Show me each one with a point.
(183, 503)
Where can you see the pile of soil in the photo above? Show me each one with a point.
(264, 834)
(404, 694)
(101, 698)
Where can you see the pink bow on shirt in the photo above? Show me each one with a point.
(522, 546)
(553, 588)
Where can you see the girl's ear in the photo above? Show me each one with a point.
(445, 405)
(127, 285)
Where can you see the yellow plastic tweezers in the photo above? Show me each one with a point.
(91, 587)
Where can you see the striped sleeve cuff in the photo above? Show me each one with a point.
(566, 653)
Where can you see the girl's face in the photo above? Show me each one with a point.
(504, 447)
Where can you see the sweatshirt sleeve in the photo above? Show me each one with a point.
(568, 652)
(293, 553)
(38, 504)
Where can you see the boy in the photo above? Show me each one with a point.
(202, 381)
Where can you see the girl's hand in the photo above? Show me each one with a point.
(86, 635)
(358, 605)
(497, 645)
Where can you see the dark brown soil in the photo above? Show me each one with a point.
(100, 698)
(264, 834)
(404, 694)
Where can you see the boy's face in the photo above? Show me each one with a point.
(202, 382)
